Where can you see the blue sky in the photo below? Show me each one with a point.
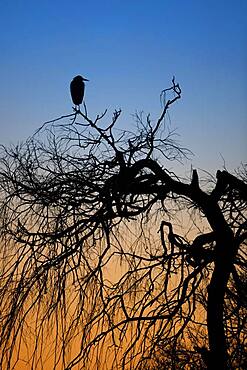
(129, 50)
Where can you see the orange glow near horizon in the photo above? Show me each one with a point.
(56, 328)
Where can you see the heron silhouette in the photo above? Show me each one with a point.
(77, 88)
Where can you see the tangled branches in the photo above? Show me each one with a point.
(82, 275)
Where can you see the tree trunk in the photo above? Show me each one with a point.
(216, 292)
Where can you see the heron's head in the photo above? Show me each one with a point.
(80, 78)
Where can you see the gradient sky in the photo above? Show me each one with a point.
(129, 50)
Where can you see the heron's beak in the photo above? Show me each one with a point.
(84, 79)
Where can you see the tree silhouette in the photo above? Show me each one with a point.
(80, 199)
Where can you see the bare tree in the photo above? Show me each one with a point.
(81, 199)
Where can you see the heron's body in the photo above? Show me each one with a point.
(77, 88)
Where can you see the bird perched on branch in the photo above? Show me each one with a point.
(77, 88)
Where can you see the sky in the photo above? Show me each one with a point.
(129, 50)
